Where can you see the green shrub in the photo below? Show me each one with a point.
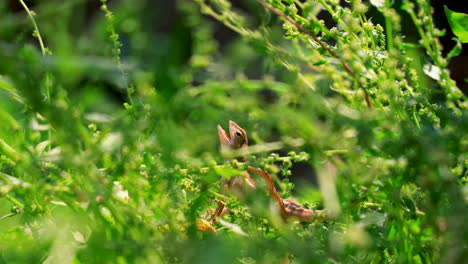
(85, 178)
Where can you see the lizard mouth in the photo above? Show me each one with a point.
(223, 137)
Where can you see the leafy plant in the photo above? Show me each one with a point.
(109, 152)
(458, 24)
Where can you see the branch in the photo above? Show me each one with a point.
(321, 43)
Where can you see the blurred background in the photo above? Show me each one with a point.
(187, 73)
(160, 37)
(168, 45)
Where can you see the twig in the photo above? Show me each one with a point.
(321, 43)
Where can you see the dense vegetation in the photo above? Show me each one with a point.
(109, 151)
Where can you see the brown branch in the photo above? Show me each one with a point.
(321, 43)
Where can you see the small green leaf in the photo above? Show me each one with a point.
(320, 62)
(227, 172)
(459, 24)
(127, 106)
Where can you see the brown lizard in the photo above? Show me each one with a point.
(237, 139)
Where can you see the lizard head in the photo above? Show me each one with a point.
(236, 139)
(238, 136)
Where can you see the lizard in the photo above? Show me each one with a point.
(238, 139)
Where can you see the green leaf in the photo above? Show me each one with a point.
(227, 172)
(320, 62)
(459, 24)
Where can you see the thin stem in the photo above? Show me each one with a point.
(338, 19)
(388, 27)
(14, 201)
(36, 29)
(7, 215)
(44, 52)
(315, 38)
(116, 50)
(321, 43)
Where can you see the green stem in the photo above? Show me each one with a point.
(14, 201)
(416, 119)
(388, 27)
(7, 215)
(116, 50)
(36, 29)
(323, 45)
(44, 53)
(338, 19)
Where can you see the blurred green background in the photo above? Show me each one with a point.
(109, 151)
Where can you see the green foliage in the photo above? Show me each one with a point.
(459, 24)
(85, 178)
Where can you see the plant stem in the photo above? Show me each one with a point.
(36, 29)
(14, 201)
(7, 215)
(388, 27)
(321, 43)
(44, 52)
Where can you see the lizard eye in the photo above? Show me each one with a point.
(238, 134)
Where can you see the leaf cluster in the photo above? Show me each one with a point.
(109, 152)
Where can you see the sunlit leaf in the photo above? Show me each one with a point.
(459, 24)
